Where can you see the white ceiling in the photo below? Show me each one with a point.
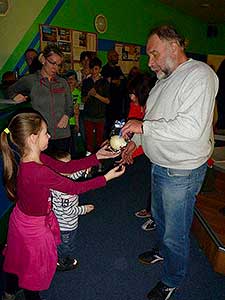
(208, 11)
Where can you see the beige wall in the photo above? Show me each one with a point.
(15, 24)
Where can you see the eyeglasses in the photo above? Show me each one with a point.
(54, 63)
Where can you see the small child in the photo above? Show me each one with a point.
(66, 208)
(76, 124)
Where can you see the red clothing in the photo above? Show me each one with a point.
(136, 112)
(33, 235)
(94, 132)
(34, 182)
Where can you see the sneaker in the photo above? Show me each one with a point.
(67, 264)
(149, 225)
(150, 257)
(161, 292)
(143, 213)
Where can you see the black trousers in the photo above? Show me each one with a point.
(12, 287)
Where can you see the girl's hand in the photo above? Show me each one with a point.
(115, 172)
(20, 98)
(106, 142)
(63, 122)
(105, 153)
(89, 208)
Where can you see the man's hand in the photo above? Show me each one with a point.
(19, 98)
(63, 122)
(127, 153)
(132, 126)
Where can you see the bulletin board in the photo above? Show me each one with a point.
(129, 56)
(215, 61)
(71, 42)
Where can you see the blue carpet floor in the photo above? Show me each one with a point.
(109, 241)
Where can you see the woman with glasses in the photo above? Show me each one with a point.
(50, 95)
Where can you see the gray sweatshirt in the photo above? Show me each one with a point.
(52, 99)
(178, 118)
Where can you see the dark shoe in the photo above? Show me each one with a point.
(17, 296)
(161, 292)
(149, 225)
(150, 257)
(67, 264)
(7, 296)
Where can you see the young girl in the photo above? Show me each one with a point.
(33, 234)
(139, 87)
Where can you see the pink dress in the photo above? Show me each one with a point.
(33, 234)
(31, 252)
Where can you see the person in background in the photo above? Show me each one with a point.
(67, 210)
(117, 109)
(220, 98)
(29, 55)
(139, 87)
(50, 95)
(32, 60)
(84, 72)
(134, 71)
(8, 78)
(95, 93)
(177, 136)
(71, 77)
(30, 255)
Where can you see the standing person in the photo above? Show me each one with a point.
(117, 109)
(33, 234)
(84, 72)
(95, 93)
(176, 135)
(77, 148)
(67, 210)
(139, 88)
(221, 96)
(32, 60)
(50, 96)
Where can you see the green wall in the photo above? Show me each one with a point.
(128, 21)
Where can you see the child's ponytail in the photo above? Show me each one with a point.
(10, 166)
(13, 140)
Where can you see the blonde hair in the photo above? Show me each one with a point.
(20, 128)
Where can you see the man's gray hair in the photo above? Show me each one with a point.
(169, 33)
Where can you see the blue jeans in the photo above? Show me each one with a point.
(67, 246)
(173, 200)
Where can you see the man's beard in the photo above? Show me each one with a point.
(167, 70)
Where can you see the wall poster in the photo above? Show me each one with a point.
(215, 60)
(129, 56)
(71, 42)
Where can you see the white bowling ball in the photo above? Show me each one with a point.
(117, 142)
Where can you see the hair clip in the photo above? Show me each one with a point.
(6, 130)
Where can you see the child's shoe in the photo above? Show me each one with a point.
(67, 264)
